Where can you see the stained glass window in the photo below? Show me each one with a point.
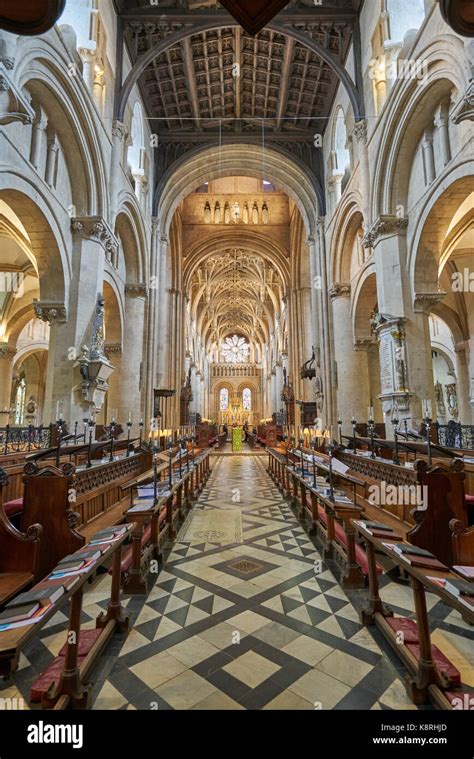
(247, 399)
(224, 399)
(235, 350)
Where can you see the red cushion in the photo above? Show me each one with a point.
(87, 639)
(469, 499)
(408, 627)
(460, 701)
(13, 507)
(442, 663)
(339, 532)
(50, 675)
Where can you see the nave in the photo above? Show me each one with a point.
(257, 624)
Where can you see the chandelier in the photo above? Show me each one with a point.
(235, 350)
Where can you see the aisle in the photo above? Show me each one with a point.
(251, 625)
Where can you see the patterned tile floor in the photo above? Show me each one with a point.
(259, 625)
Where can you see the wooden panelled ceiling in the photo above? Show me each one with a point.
(228, 81)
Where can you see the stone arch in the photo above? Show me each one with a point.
(38, 72)
(355, 97)
(428, 241)
(349, 220)
(207, 163)
(129, 227)
(403, 122)
(46, 238)
(114, 314)
(230, 238)
(363, 303)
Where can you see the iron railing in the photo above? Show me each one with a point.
(24, 439)
(455, 435)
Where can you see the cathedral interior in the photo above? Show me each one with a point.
(237, 358)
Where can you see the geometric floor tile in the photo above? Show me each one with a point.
(262, 624)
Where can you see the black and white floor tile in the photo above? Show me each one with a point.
(262, 624)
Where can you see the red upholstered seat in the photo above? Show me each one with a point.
(87, 639)
(361, 556)
(442, 663)
(408, 627)
(50, 675)
(127, 554)
(459, 700)
(469, 499)
(12, 508)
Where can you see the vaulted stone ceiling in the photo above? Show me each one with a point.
(236, 291)
(222, 83)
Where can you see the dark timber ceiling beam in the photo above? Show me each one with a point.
(177, 15)
(285, 83)
(191, 79)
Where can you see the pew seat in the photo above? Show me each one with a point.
(12, 508)
(452, 700)
(12, 583)
(127, 554)
(108, 518)
(341, 537)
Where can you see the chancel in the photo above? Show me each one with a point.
(236, 357)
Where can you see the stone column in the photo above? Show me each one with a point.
(7, 357)
(352, 368)
(463, 383)
(37, 137)
(71, 326)
(428, 157)
(359, 133)
(119, 134)
(315, 289)
(126, 383)
(161, 329)
(51, 161)
(441, 121)
(328, 411)
(152, 345)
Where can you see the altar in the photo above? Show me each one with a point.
(236, 439)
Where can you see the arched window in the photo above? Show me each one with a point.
(20, 401)
(343, 158)
(247, 399)
(136, 151)
(404, 15)
(224, 399)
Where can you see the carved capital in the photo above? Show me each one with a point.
(6, 351)
(53, 313)
(136, 290)
(360, 130)
(424, 302)
(387, 225)
(464, 108)
(96, 228)
(340, 290)
(119, 130)
(14, 106)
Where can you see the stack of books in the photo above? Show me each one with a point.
(416, 557)
(466, 572)
(109, 535)
(29, 607)
(78, 562)
(378, 529)
(460, 589)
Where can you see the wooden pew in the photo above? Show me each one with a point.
(62, 685)
(331, 518)
(19, 554)
(73, 503)
(412, 643)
